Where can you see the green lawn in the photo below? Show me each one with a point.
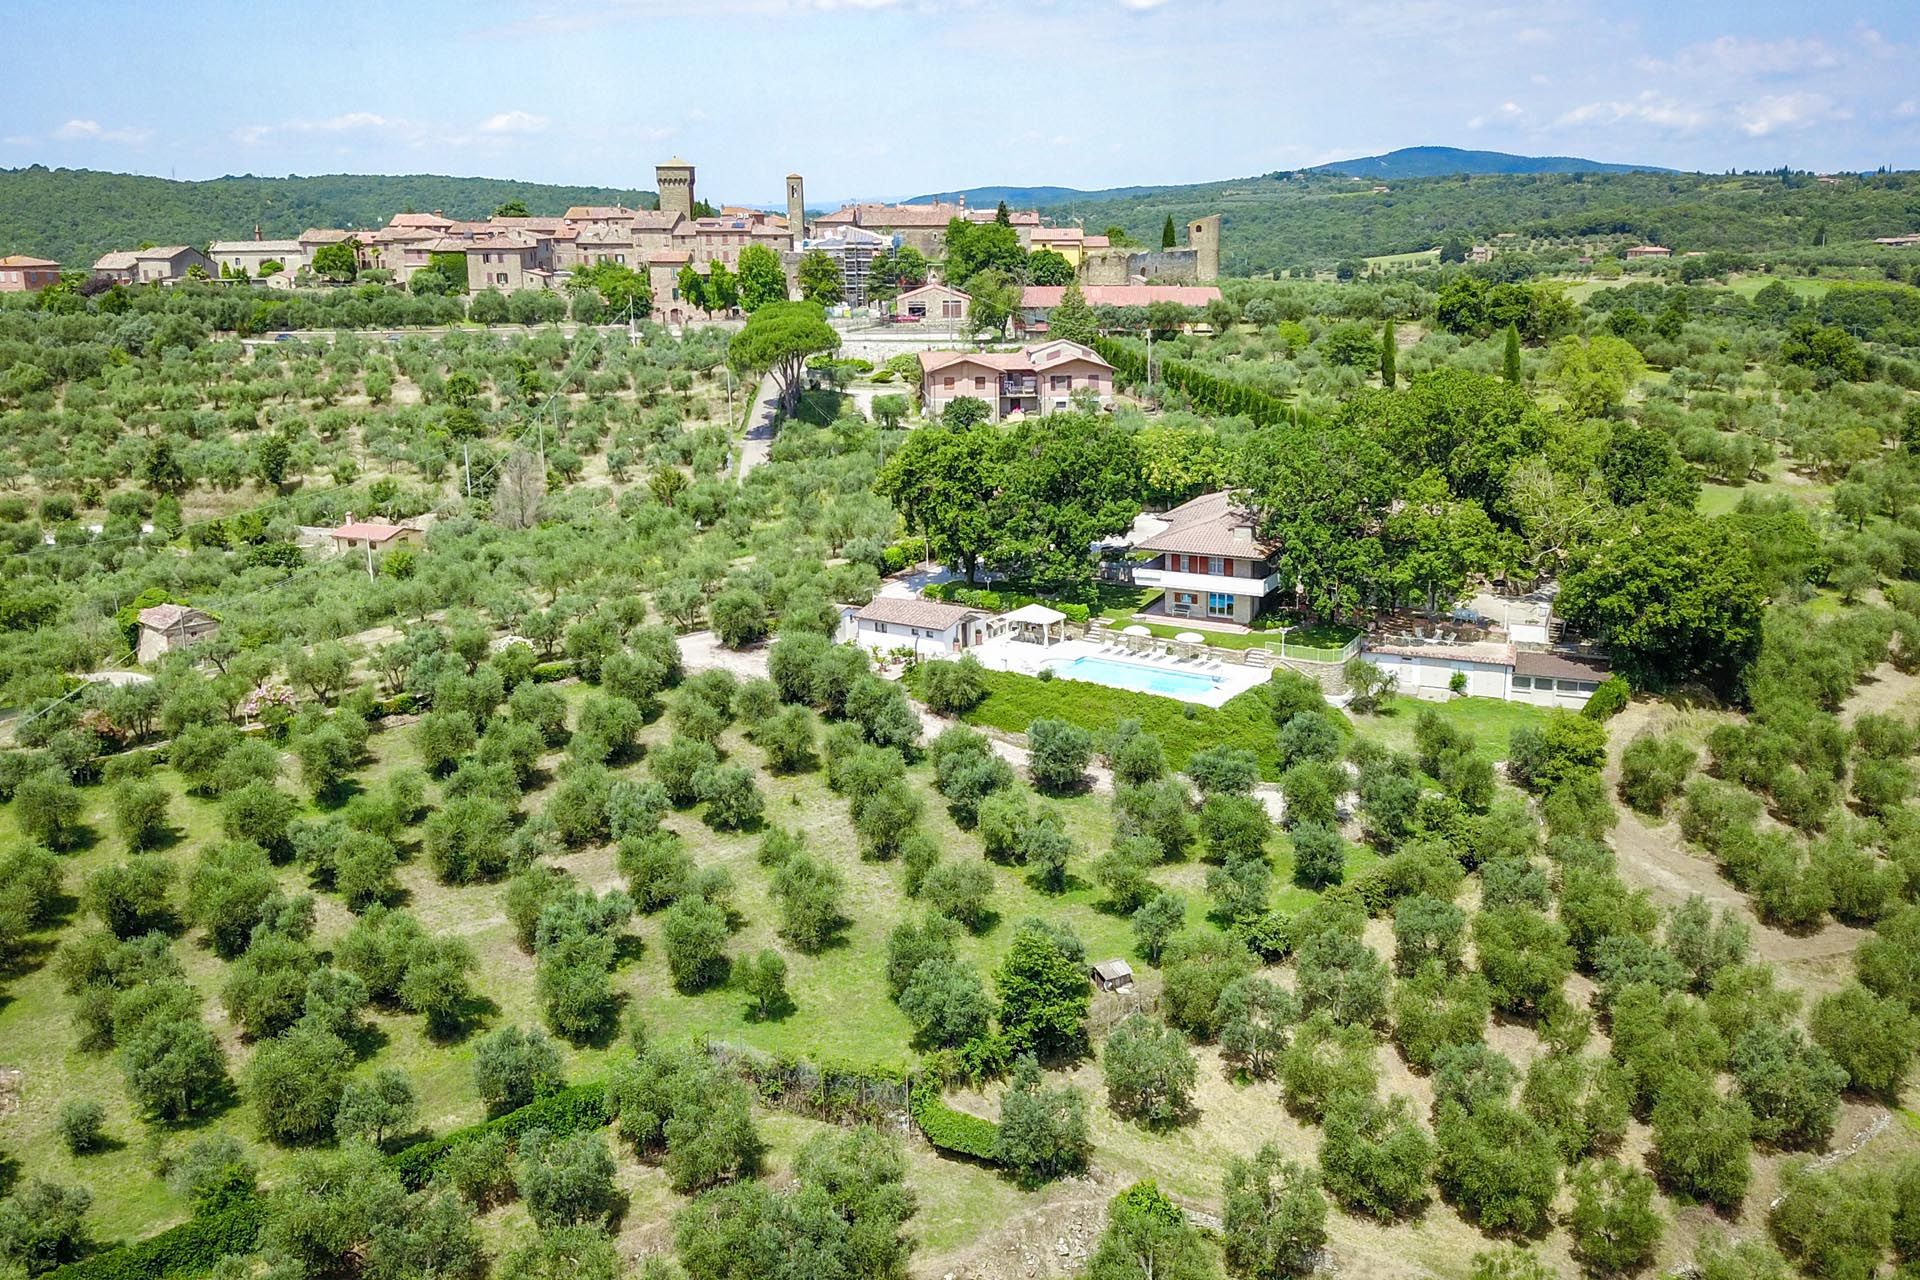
(1490, 720)
(1014, 701)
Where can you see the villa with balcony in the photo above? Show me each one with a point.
(1207, 559)
(1032, 381)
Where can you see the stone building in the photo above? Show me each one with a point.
(674, 180)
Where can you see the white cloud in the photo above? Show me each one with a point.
(1741, 58)
(18, 140)
(1907, 109)
(1649, 108)
(93, 131)
(1770, 114)
(513, 122)
(1141, 6)
(1505, 113)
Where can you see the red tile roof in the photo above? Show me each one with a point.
(371, 530)
(1046, 297)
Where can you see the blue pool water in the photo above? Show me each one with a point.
(1185, 685)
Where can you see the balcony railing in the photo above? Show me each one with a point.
(1174, 580)
(1019, 387)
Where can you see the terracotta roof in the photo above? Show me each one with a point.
(1041, 297)
(163, 253)
(121, 261)
(1566, 666)
(895, 215)
(372, 530)
(1005, 361)
(1026, 360)
(909, 611)
(22, 260)
(935, 289)
(164, 617)
(325, 235)
(668, 257)
(1209, 525)
(598, 212)
(256, 246)
(429, 220)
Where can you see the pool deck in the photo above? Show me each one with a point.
(1004, 653)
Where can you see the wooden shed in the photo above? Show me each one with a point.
(1112, 975)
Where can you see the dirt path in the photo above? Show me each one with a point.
(758, 444)
(1654, 857)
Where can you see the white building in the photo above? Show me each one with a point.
(927, 627)
(1542, 678)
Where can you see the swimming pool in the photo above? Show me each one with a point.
(1188, 686)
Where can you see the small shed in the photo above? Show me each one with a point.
(167, 627)
(1112, 975)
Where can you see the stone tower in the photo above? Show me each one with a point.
(1203, 237)
(796, 208)
(674, 179)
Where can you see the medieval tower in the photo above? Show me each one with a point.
(796, 207)
(674, 179)
(1203, 237)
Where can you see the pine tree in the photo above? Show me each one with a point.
(1073, 318)
(1513, 355)
(1001, 216)
(1389, 349)
(1168, 237)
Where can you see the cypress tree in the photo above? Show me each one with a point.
(1513, 354)
(1389, 349)
(1168, 238)
(1001, 216)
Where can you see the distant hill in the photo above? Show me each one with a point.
(1288, 220)
(75, 215)
(1442, 162)
(1029, 197)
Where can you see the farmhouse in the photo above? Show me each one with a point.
(247, 257)
(1037, 379)
(1208, 558)
(167, 264)
(927, 627)
(1649, 251)
(374, 535)
(167, 628)
(21, 274)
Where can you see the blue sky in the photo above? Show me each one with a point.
(891, 98)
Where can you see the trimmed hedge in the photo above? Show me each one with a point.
(1001, 601)
(191, 1248)
(1208, 391)
(548, 672)
(571, 1110)
(951, 1130)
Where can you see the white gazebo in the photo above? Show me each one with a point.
(1029, 617)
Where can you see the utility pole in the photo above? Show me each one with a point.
(466, 465)
(369, 559)
(1149, 358)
